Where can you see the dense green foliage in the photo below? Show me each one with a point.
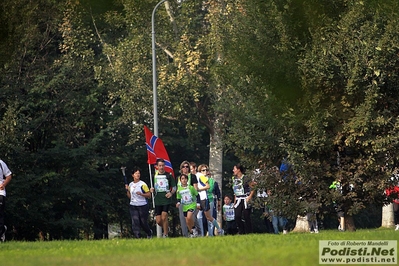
(344, 124)
(316, 81)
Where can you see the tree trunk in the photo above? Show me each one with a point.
(387, 216)
(216, 161)
(301, 224)
(349, 224)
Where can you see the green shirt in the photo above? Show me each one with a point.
(211, 182)
(187, 197)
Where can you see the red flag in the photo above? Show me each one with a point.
(156, 150)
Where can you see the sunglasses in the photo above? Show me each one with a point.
(185, 166)
(204, 170)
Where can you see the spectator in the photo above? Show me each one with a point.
(278, 221)
(312, 221)
(337, 186)
(311, 214)
(395, 190)
(5, 179)
(396, 210)
(267, 218)
(285, 169)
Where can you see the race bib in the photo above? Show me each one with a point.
(238, 188)
(186, 197)
(161, 183)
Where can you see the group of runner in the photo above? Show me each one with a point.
(198, 197)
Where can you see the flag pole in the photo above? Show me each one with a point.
(154, 82)
(152, 193)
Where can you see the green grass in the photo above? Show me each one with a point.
(257, 249)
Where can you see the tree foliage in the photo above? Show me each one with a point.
(315, 81)
(342, 127)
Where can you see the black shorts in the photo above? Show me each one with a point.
(204, 204)
(339, 210)
(161, 208)
(189, 210)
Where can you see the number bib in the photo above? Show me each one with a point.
(161, 183)
(186, 197)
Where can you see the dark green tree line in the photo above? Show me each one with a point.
(342, 126)
(308, 79)
(62, 187)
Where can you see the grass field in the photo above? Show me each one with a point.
(256, 249)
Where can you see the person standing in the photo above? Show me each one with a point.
(337, 186)
(395, 191)
(192, 180)
(187, 200)
(243, 193)
(279, 221)
(5, 179)
(312, 221)
(312, 211)
(138, 193)
(164, 188)
(396, 210)
(266, 216)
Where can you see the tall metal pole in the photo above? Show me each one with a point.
(154, 84)
(154, 69)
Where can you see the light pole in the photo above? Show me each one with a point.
(154, 83)
(154, 69)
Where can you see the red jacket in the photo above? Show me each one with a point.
(394, 190)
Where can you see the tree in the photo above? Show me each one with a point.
(346, 108)
(64, 125)
(357, 99)
(187, 90)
